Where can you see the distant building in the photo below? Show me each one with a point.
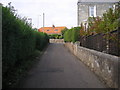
(90, 8)
(51, 30)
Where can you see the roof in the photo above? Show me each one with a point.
(98, 1)
(51, 30)
(52, 27)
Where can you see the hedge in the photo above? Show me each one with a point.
(72, 35)
(19, 41)
(55, 36)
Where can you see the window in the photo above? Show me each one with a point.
(110, 6)
(48, 30)
(92, 11)
(56, 30)
(114, 7)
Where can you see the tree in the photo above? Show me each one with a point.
(63, 31)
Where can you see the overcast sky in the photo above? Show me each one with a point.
(57, 12)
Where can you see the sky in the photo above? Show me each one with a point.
(57, 12)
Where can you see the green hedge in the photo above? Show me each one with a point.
(55, 36)
(72, 35)
(41, 40)
(19, 41)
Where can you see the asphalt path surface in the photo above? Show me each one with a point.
(58, 68)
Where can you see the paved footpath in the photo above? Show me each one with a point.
(58, 68)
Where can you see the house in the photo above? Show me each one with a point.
(90, 8)
(51, 30)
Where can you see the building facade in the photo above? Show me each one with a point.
(51, 30)
(90, 8)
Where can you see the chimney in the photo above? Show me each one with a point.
(53, 26)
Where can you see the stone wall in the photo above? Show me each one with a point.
(105, 66)
(56, 40)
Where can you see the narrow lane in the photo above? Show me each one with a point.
(58, 68)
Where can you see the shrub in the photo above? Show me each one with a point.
(72, 35)
(63, 31)
(107, 23)
(75, 35)
(67, 36)
(55, 36)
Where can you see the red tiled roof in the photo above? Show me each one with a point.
(51, 30)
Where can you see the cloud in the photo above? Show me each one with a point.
(58, 12)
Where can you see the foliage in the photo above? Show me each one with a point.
(82, 30)
(41, 40)
(63, 31)
(94, 24)
(19, 41)
(75, 34)
(55, 36)
(110, 20)
(72, 35)
(67, 36)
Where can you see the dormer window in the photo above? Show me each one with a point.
(92, 11)
(56, 30)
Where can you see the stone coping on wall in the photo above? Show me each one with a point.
(101, 54)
